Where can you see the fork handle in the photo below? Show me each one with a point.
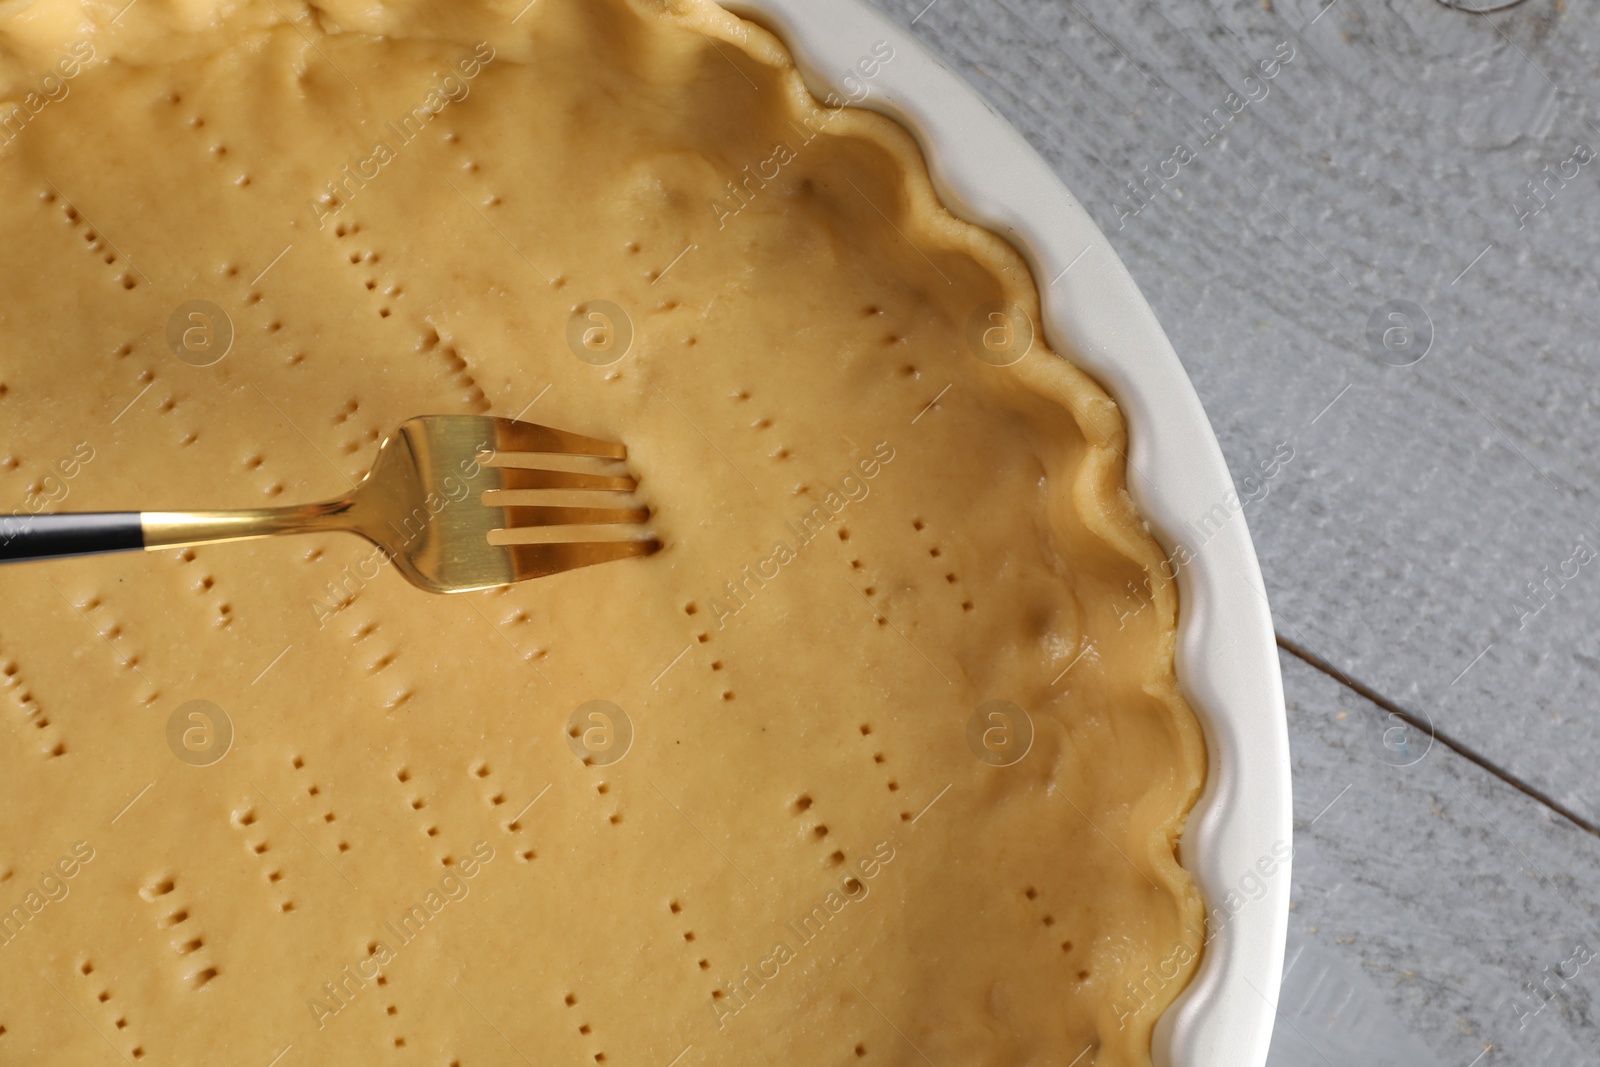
(24, 537)
(47, 536)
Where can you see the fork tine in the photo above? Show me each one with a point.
(513, 478)
(513, 436)
(542, 515)
(536, 561)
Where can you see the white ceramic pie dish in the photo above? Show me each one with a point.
(1227, 656)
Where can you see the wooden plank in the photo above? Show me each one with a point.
(1429, 902)
(1386, 160)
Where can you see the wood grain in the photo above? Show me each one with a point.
(1429, 902)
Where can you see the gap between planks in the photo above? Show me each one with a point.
(1460, 748)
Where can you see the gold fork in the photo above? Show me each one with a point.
(423, 504)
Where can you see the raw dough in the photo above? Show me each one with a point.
(870, 533)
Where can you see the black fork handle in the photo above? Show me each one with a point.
(53, 536)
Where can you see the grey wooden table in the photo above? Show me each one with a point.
(1381, 256)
